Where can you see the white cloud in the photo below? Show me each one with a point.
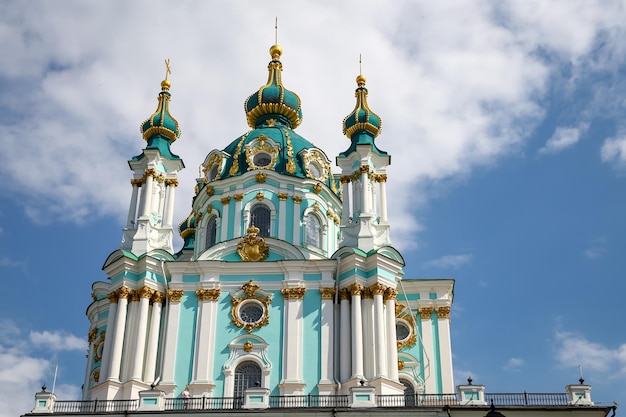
(514, 364)
(613, 151)
(596, 249)
(449, 261)
(6, 262)
(563, 138)
(572, 349)
(57, 340)
(458, 86)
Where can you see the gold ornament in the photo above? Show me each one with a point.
(253, 248)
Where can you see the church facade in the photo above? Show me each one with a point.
(287, 279)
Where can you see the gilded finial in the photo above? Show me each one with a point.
(275, 50)
(276, 31)
(360, 80)
(165, 84)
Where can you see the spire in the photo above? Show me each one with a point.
(362, 125)
(273, 100)
(161, 126)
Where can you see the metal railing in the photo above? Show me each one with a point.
(95, 406)
(311, 401)
(527, 398)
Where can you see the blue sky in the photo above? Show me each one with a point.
(506, 126)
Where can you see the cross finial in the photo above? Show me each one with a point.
(276, 31)
(168, 69)
(360, 65)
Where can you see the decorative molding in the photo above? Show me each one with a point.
(210, 190)
(123, 292)
(283, 196)
(355, 289)
(260, 196)
(225, 200)
(238, 197)
(377, 288)
(400, 364)
(293, 293)
(297, 199)
(248, 346)
(145, 292)
(250, 291)
(261, 177)
(345, 179)
(443, 312)
(390, 294)
(425, 312)
(158, 297)
(91, 336)
(171, 182)
(317, 188)
(328, 293)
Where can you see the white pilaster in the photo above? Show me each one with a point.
(383, 198)
(366, 195)
(292, 383)
(379, 332)
(327, 339)
(392, 347)
(445, 349)
(225, 215)
(132, 210)
(153, 338)
(171, 335)
(237, 219)
(142, 327)
(357, 331)
(427, 338)
(171, 193)
(282, 216)
(146, 200)
(345, 218)
(205, 338)
(297, 218)
(345, 367)
(118, 334)
(369, 348)
(105, 366)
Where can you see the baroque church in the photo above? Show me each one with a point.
(287, 292)
(287, 278)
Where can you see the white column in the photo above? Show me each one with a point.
(108, 337)
(392, 344)
(142, 329)
(445, 349)
(132, 210)
(153, 337)
(378, 290)
(171, 336)
(297, 217)
(292, 338)
(357, 331)
(224, 216)
(367, 204)
(427, 338)
(146, 200)
(327, 336)
(237, 219)
(345, 366)
(282, 216)
(369, 348)
(205, 335)
(383, 197)
(356, 200)
(345, 216)
(118, 334)
(171, 192)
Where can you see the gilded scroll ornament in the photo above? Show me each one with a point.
(96, 376)
(400, 364)
(261, 177)
(91, 336)
(293, 293)
(247, 346)
(225, 200)
(250, 307)
(158, 297)
(210, 191)
(252, 248)
(297, 199)
(260, 196)
(283, 196)
(238, 197)
(328, 293)
(317, 188)
(175, 295)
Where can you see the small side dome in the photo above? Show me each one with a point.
(187, 230)
(273, 100)
(161, 124)
(362, 119)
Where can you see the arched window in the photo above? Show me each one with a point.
(260, 217)
(410, 399)
(247, 374)
(211, 232)
(313, 235)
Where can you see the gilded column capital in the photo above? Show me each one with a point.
(145, 292)
(366, 294)
(443, 312)
(425, 312)
(123, 292)
(158, 297)
(225, 200)
(328, 293)
(390, 294)
(175, 295)
(381, 177)
(364, 169)
(283, 196)
(238, 197)
(293, 293)
(211, 294)
(345, 179)
(150, 172)
(171, 182)
(377, 288)
(134, 296)
(112, 296)
(344, 294)
(297, 199)
(355, 289)
(137, 182)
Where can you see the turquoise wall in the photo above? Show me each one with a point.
(185, 348)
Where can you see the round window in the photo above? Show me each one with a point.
(315, 170)
(212, 172)
(251, 312)
(402, 331)
(262, 159)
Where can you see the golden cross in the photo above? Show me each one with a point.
(168, 70)
(360, 66)
(276, 32)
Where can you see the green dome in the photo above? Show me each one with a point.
(273, 100)
(161, 124)
(187, 230)
(362, 120)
